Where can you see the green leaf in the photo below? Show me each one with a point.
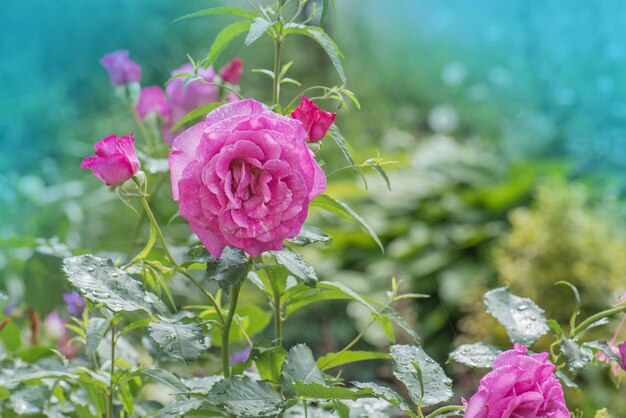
(98, 280)
(269, 362)
(11, 336)
(300, 296)
(425, 380)
(576, 312)
(325, 4)
(258, 27)
(184, 342)
(244, 397)
(321, 391)
(29, 399)
(478, 355)
(224, 38)
(577, 357)
(126, 397)
(339, 208)
(331, 360)
(387, 395)
(179, 408)
(201, 385)
(603, 347)
(43, 282)
(310, 235)
(196, 113)
(165, 377)
(294, 262)
(343, 145)
(230, 269)
(232, 11)
(300, 366)
(96, 330)
(251, 318)
(524, 321)
(324, 41)
(395, 317)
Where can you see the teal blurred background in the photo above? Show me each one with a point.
(508, 122)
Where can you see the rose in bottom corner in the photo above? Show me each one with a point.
(244, 178)
(519, 385)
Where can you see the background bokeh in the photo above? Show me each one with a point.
(507, 121)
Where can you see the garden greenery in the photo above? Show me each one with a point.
(244, 175)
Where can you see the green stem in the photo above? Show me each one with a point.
(597, 317)
(278, 321)
(111, 384)
(142, 128)
(276, 87)
(234, 296)
(445, 409)
(351, 344)
(177, 267)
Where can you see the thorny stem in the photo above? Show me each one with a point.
(234, 296)
(111, 384)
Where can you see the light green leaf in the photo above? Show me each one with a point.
(224, 38)
(184, 342)
(324, 41)
(179, 408)
(232, 11)
(244, 397)
(395, 317)
(230, 269)
(300, 296)
(196, 113)
(96, 330)
(310, 235)
(339, 208)
(294, 262)
(165, 377)
(524, 321)
(98, 280)
(299, 366)
(269, 362)
(577, 357)
(388, 395)
(479, 355)
(331, 360)
(321, 391)
(29, 399)
(425, 380)
(258, 27)
(343, 145)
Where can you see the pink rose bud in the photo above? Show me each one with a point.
(152, 100)
(232, 72)
(315, 120)
(519, 386)
(244, 178)
(622, 352)
(115, 160)
(121, 69)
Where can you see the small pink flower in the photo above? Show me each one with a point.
(115, 160)
(519, 386)
(67, 347)
(232, 72)
(55, 325)
(152, 100)
(315, 120)
(244, 178)
(122, 70)
(622, 352)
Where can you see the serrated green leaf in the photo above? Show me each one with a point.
(231, 11)
(244, 397)
(425, 380)
(524, 321)
(196, 113)
(310, 235)
(258, 27)
(269, 362)
(331, 360)
(478, 355)
(98, 280)
(296, 265)
(179, 408)
(343, 145)
(577, 357)
(388, 395)
(321, 391)
(300, 366)
(96, 330)
(184, 342)
(339, 208)
(224, 38)
(230, 269)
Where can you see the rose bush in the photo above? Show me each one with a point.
(244, 178)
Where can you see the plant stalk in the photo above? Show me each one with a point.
(276, 87)
(111, 384)
(445, 409)
(234, 296)
(597, 317)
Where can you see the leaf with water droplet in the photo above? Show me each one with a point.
(577, 357)
(244, 397)
(184, 342)
(300, 366)
(29, 399)
(479, 355)
(96, 330)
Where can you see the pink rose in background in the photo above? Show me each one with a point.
(622, 353)
(152, 100)
(315, 120)
(244, 178)
(115, 160)
(232, 72)
(519, 386)
(121, 69)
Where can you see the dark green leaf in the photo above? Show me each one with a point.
(524, 321)
(43, 282)
(479, 355)
(309, 235)
(184, 342)
(343, 145)
(331, 360)
(230, 270)
(196, 113)
(300, 366)
(224, 38)
(294, 262)
(339, 208)
(96, 330)
(258, 27)
(232, 11)
(425, 380)
(577, 357)
(98, 280)
(244, 397)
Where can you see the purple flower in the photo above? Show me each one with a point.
(74, 303)
(519, 386)
(55, 325)
(10, 308)
(115, 160)
(152, 100)
(244, 178)
(240, 356)
(122, 70)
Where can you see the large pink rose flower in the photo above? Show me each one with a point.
(244, 178)
(115, 160)
(519, 386)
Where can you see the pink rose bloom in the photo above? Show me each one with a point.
(315, 120)
(244, 178)
(519, 386)
(152, 100)
(183, 99)
(232, 72)
(115, 160)
(122, 70)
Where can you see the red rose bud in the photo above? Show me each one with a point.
(232, 72)
(315, 120)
